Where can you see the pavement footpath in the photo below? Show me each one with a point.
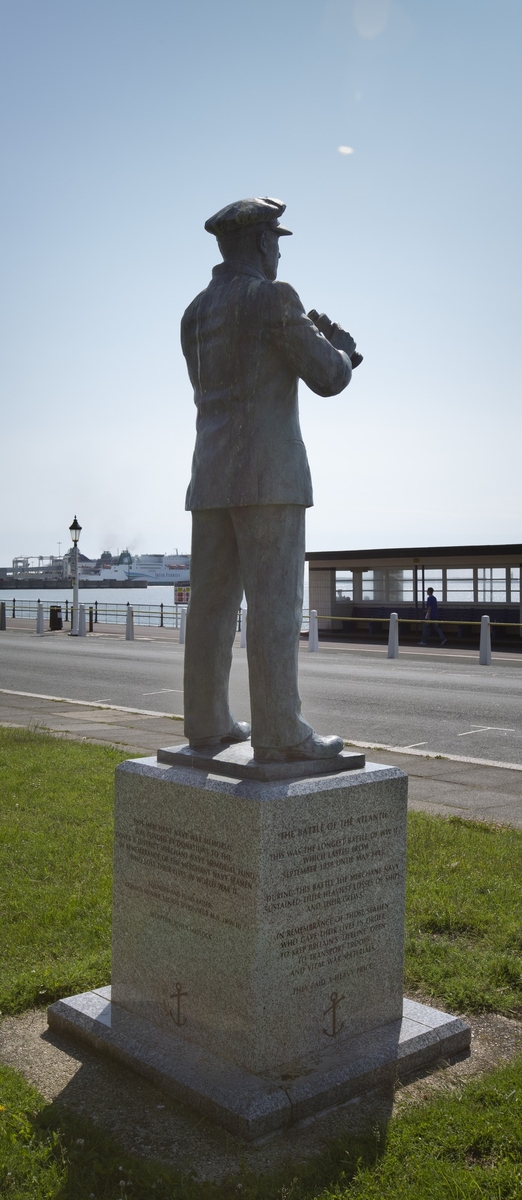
(447, 785)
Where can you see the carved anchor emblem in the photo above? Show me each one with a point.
(333, 1010)
(177, 995)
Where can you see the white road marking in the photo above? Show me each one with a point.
(161, 692)
(414, 744)
(475, 762)
(486, 729)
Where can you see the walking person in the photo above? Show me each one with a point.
(430, 619)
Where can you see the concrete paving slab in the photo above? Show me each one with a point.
(105, 629)
(134, 733)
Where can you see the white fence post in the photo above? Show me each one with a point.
(129, 625)
(182, 626)
(485, 642)
(242, 635)
(313, 632)
(393, 636)
(39, 617)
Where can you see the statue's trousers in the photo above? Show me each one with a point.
(259, 549)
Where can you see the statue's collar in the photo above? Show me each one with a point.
(233, 267)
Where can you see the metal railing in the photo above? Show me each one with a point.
(103, 612)
(162, 616)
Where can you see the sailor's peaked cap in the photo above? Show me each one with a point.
(242, 214)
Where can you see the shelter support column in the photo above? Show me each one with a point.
(357, 587)
(322, 594)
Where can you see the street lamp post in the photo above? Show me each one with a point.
(75, 530)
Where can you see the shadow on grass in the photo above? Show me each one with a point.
(92, 1164)
(55, 1151)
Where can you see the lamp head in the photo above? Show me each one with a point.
(75, 530)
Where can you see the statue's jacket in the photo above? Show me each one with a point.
(247, 341)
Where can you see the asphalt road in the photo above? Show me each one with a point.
(447, 705)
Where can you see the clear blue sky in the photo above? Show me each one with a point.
(126, 123)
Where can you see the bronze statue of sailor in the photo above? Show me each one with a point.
(247, 341)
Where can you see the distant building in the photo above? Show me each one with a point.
(37, 567)
(350, 587)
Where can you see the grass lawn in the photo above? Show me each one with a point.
(55, 867)
(464, 914)
(464, 936)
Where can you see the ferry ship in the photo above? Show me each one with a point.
(119, 570)
(161, 568)
(142, 568)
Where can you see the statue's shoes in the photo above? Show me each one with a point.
(313, 747)
(240, 732)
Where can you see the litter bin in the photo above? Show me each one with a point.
(55, 617)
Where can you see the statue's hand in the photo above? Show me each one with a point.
(343, 341)
(323, 323)
(336, 335)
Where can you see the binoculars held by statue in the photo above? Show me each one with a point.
(329, 328)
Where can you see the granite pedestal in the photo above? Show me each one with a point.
(258, 934)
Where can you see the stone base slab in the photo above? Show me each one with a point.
(254, 1106)
(238, 762)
